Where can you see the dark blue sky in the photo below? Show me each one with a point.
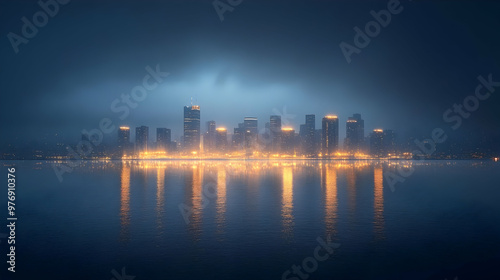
(264, 56)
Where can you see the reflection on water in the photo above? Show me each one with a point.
(198, 176)
(125, 201)
(287, 202)
(329, 184)
(378, 202)
(160, 197)
(221, 198)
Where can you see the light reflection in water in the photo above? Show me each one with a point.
(329, 184)
(160, 198)
(221, 197)
(195, 180)
(287, 202)
(378, 202)
(125, 201)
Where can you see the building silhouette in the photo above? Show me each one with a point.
(355, 134)
(191, 128)
(309, 139)
(287, 140)
(377, 143)
(141, 139)
(330, 135)
(210, 137)
(251, 131)
(163, 139)
(275, 132)
(239, 136)
(221, 139)
(123, 139)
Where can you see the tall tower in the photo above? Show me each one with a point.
(377, 143)
(192, 128)
(330, 135)
(251, 131)
(123, 137)
(309, 139)
(163, 138)
(275, 132)
(210, 135)
(221, 139)
(355, 133)
(141, 138)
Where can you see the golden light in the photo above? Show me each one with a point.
(220, 129)
(378, 130)
(331, 116)
(194, 152)
(286, 129)
(124, 127)
(496, 159)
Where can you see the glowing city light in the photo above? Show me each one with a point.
(331, 117)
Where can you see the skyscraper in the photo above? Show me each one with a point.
(192, 128)
(377, 143)
(123, 138)
(239, 136)
(355, 133)
(251, 131)
(288, 140)
(330, 135)
(141, 139)
(309, 131)
(210, 136)
(163, 139)
(275, 132)
(221, 139)
(389, 142)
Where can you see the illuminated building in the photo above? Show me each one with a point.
(251, 131)
(275, 131)
(163, 138)
(210, 137)
(355, 133)
(330, 135)
(389, 142)
(191, 128)
(123, 138)
(221, 139)
(309, 139)
(239, 136)
(377, 143)
(287, 140)
(141, 139)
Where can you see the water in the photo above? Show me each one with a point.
(254, 220)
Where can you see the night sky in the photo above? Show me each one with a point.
(263, 58)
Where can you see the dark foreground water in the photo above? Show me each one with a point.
(254, 220)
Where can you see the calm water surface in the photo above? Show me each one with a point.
(254, 220)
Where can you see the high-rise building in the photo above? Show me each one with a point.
(251, 131)
(163, 138)
(192, 128)
(355, 133)
(377, 143)
(210, 137)
(123, 139)
(309, 131)
(275, 132)
(141, 139)
(221, 139)
(239, 136)
(287, 140)
(389, 142)
(330, 135)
